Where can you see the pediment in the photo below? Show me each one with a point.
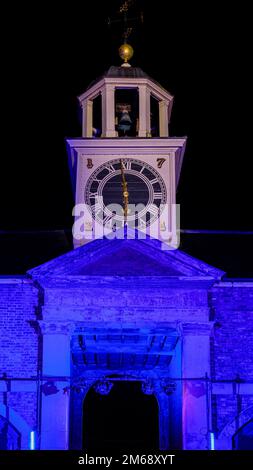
(125, 258)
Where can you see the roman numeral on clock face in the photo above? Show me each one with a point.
(93, 195)
(108, 219)
(158, 195)
(96, 180)
(96, 209)
(152, 209)
(127, 164)
(110, 168)
(155, 180)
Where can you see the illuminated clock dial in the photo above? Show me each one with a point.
(146, 192)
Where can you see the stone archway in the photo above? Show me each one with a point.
(120, 416)
(16, 425)
(160, 390)
(10, 438)
(225, 438)
(243, 439)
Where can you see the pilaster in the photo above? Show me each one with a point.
(54, 399)
(163, 118)
(195, 368)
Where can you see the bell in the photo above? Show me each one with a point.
(125, 122)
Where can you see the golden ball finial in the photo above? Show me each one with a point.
(126, 53)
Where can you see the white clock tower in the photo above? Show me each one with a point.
(125, 168)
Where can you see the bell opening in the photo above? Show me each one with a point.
(154, 116)
(97, 116)
(127, 112)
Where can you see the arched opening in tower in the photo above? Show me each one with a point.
(97, 116)
(154, 116)
(125, 418)
(127, 112)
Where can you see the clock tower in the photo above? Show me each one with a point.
(125, 168)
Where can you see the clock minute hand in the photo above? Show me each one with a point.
(125, 191)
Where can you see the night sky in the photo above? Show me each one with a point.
(200, 54)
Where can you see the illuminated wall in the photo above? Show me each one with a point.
(213, 320)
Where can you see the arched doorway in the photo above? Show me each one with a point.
(10, 438)
(243, 438)
(229, 438)
(125, 418)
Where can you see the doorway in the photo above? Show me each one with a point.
(10, 438)
(124, 419)
(243, 439)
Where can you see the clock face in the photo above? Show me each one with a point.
(146, 192)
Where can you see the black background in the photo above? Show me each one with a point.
(199, 52)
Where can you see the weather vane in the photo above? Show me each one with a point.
(126, 51)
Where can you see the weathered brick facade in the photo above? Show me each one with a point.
(19, 341)
(20, 350)
(233, 350)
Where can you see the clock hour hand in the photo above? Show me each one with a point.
(124, 191)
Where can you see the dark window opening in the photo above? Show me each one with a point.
(154, 116)
(97, 117)
(127, 112)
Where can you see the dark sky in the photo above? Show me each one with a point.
(200, 54)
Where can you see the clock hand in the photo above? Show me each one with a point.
(124, 191)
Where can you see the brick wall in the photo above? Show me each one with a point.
(232, 350)
(19, 350)
(233, 338)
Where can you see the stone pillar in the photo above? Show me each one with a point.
(195, 364)
(144, 111)
(79, 391)
(175, 387)
(163, 119)
(55, 388)
(108, 111)
(163, 404)
(87, 106)
(163, 408)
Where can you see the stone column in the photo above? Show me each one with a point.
(195, 364)
(87, 118)
(163, 118)
(163, 404)
(144, 111)
(79, 391)
(108, 111)
(55, 388)
(163, 409)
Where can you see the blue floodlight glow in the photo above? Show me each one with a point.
(32, 440)
(212, 446)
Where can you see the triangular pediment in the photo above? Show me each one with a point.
(123, 257)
